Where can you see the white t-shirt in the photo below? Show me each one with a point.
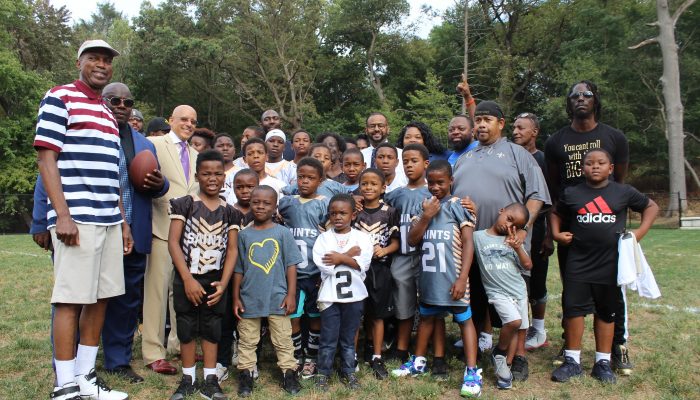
(240, 163)
(342, 284)
(269, 181)
(367, 155)
(399, 181)
(284, 170)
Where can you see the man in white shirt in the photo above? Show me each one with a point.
(377, 130)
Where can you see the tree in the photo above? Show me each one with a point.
(673, 105)
(364, 26)
(432, 106)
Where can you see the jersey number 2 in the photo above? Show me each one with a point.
(340, 286)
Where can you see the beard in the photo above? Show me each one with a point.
(461, 144)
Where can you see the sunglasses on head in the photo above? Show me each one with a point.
(575, 95)
(115, 101)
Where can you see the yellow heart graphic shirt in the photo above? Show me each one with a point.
(263, 258)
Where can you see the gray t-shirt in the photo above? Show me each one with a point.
(490, 176)
(499, 265)
(263, 258)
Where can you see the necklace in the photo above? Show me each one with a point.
(342, 241)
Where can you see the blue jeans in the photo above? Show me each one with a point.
(339, 323)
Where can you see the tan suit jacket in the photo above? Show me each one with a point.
(171, 167)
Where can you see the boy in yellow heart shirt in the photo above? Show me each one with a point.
(264, 286)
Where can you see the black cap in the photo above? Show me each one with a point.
(489, 108)
(158, 124)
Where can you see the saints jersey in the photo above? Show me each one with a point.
(409, 203)
(306, 218)
(441, 254)
(381, 223)
(328, 188)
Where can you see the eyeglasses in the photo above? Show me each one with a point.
(575, 95)
(377, 126)
(115, 101)
(527, 115)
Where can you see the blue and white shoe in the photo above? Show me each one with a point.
(411, 368)
(471, 386)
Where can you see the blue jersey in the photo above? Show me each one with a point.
(441, 254)
(306, 219)
(409, 203)
(328, 188)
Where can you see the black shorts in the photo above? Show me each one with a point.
(307, 297)
(380, 287)
(580, 298)
(200, 321)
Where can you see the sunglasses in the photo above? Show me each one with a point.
(526, 115)
(115, 101)
(575, 95)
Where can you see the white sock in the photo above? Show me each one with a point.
(486, 335)
(376, 357)
(209, 371)
(575, 354)
(538, 324)
(192, 372)
(602, 356)
(420, 361)
(85, 360)
(65, 371)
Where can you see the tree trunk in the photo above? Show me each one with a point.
(373, 77)
(673, 106)
(466, 50)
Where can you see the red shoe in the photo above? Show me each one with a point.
(162, 367)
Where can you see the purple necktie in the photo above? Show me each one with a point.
(185, 160)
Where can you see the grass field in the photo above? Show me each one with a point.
(664, 339)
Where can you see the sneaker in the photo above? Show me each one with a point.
(520, 369)
(350, 381)
(569, 369)
(485, 343)
(211, 390)
(184, 389)
(439, 370)
(504, 378)
(290, 383)
(127, 373)
(308, 371)
(357, 364)
(535, 339)
(322, 382)
(603, 372)
(459, 344)
(221, 372)
(92, 387)
(379, 369)
(245, 383)
(69, 391)
(620, 360)
(409, 368)
(471, 385)
(559, 358)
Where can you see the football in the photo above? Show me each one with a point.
(144, 163)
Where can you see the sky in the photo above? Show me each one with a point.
(81, 9)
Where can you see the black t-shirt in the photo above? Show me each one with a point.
(382, 225)
(567, 147)
(595, 218)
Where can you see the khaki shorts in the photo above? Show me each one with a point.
(91, 271)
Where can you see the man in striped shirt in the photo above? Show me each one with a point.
(77, 141)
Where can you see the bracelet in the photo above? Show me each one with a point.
(470, 102)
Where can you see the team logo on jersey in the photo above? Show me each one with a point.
(272, 247)
(596, 211)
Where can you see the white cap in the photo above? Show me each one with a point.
(96, 44)
(276, 132)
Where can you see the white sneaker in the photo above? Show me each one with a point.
(485, 342)
(459, 344)
(535, 339)
(69, 391)
(94, 388)
(221, 372)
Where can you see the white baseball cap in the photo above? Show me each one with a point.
(96, 44)
(276, 132)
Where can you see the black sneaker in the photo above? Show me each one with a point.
(520, 369)
(245, 383)
(620, 360)
(379, 369)
(439, 370)
(184, 389)
(290, 383)
(127, 373)
(322, 382)
(350, 381)
(211, 389)
(569, 369)
(603, 372)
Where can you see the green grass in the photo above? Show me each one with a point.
(664, 344)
